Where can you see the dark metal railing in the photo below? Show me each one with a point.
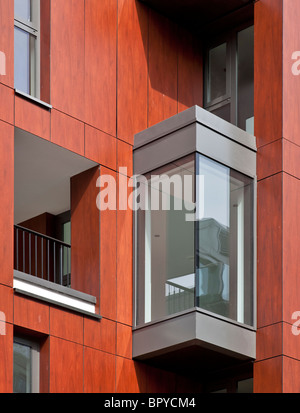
(42, 256)
(178, 297)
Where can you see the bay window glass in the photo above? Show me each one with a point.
(195, 250)
(165, 246)
(224, 241)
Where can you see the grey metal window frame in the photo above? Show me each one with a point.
(35, 361)
(33, 28)
(231, 96)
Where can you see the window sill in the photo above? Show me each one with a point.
(54, 294)
(33, 99)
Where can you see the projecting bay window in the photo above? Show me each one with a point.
(195, 230)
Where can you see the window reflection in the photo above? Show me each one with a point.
(166, 246)
(224, 237)
(202, 262)
(22, 368)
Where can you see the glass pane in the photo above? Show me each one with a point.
(245, 386)
(217, 72)
(223, 112)
(166, 274)
(224, 250)
(246, 79)
(25, 61)
(22, 75)
(22, 368)
(66, 251)
(23, 9)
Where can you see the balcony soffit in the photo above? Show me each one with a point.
(197, 13)
(42, 176)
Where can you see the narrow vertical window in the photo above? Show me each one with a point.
(25, 366)
(229, 78)
(27, 46)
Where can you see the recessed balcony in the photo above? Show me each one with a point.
(198, 14)
(42, 217)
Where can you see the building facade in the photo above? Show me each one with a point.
(98, 295)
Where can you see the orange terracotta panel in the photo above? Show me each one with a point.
(124, 262)
(291, 83)
(108, 255)
(124, 340)
(132, 68)
(291, 337)
(291, 158)
(6, 303)
(99, 371)
(66, 366)
(291, 375)
(190, 71)
(100, 334)
(100, 64)
(267, 376)
(85, 233)
(162, 68)
(270, 159)
(291, 256)
(269, 250)
(7, 42)
(67, 132)
(125, 157)
(67, 325)
(6, 203)
(160, 381)
(31, 314)
(32, 118)
(6, 360)
(67, 57)
(269, 341)
(128, 379)
(6, 104)
(100, 147)
(44, 364)
(268, 71)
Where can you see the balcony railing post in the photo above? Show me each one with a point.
(61, 265)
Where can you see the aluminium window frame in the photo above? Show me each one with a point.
(33, 28)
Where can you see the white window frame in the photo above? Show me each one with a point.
(33, 28)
